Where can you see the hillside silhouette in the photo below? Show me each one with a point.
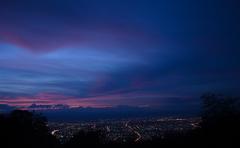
(25, 129)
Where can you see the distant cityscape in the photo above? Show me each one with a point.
(125, 130)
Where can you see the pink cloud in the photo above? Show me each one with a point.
(134, 99)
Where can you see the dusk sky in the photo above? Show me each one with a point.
(103, 53)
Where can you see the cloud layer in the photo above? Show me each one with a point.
(92, 53)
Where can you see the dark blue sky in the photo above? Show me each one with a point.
(117, 52)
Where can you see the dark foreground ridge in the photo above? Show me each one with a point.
(219, 127)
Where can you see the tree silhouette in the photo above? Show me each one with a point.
(26, 129)
(220, 119)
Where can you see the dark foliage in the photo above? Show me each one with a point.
(221, 119)
(25, 129)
